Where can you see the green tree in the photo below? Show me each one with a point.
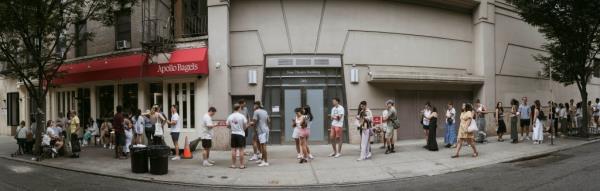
(35, 36)
(572, 28)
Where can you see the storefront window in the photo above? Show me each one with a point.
(106, 101)
(130, 98)
(182, 95)
(156, 94)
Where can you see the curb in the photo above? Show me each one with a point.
(357, 183)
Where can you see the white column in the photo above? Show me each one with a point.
(484, 53)
(218, 52)
(142, 95)
(188, 113)
(116, 97)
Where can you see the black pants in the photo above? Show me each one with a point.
(149, 134)
(29, 147)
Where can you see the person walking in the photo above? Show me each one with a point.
(514, 117)
(261, 119)
(500, 125)
(538, 130)
(425, 115)
(176, 124)
(119, 129)
(336, 129)
(480, 111)
(524, 113)
(466, 118)
(237, 123)
(431, 137)
(450, 135)
(206, 134)
(390, 118)
(364, 118)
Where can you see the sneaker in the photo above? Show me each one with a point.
(299, 156)
(254, 157)
(258, 161)
(332, 154)
(369, 155)
(359, 159)
(337, 155)
(211, 161)
(522, 138)
(263, 164)
(54, 151)
(176, 158)
(310, 156)
(527, 138)
(206, 163)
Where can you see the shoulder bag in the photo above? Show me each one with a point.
(472, 127)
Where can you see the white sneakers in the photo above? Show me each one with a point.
(254, 157)
(206, 163)
(369, 155)
(332, 154)
(299, 156)
(337, 155)
(263, 164)
(176, 158)
(310, 156)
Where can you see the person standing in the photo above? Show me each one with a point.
(450, 136)
(119, 129)
(128, 129)
(176, 124)
(431, 137)
(596, 112)
(365, 118)
(237, 123)
(206, 134)
(383, 129)
(562, 117)
(306, 111)
(300, 123)
(464, 135)
(425, 115)
(158, 120)
(75, 128)
(524, 113)
(390, 117)
(22, 133)
(336, 129)
(538, 129)
(480, 111)
(148, 126)
(261, 119)
(572, 114)
(501, 126)
(514, 117)
(138, 121)
(244, 111)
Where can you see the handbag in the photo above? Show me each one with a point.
(158, 130)
(472, 126)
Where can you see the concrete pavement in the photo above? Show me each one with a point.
(411, 160)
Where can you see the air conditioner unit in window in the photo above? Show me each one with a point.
(123, 44)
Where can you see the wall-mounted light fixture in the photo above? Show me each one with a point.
(218, 65)
(252, 75)
(354, 75)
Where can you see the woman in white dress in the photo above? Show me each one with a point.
(538, 129)
(364, 118)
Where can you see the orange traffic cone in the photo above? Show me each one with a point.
(187, 154)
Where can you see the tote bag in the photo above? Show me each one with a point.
(158, 130)
(472, 127)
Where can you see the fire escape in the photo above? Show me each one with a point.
(167, 22)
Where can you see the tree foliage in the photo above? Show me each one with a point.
(572, 28)
(35, 36)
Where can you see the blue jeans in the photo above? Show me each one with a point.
(450, 136)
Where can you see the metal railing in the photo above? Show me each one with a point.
(194, 26)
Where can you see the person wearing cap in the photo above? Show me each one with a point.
(390, 132)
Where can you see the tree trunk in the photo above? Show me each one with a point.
(40, 119)
(583, 131)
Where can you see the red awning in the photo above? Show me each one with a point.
(107, 68)
(182, 62)
(192, 61)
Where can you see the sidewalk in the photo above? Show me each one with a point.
(411, 160)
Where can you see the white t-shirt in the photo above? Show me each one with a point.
(236, 121)
(177, 127)
(335, 113)
(205, 131)
(50, 132)
(597, 107)
(451, 113)
(426, 114)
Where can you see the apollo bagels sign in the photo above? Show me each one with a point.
(175, 69)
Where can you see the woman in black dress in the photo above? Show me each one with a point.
(500, 121)
(431, 137)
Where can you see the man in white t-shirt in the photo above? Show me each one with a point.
(206, 134)
(237, 123)
(336, 130)
(175, 124)
(596, 111)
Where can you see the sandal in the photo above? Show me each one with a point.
(233, 167)
(475, 154)
(242, 167)
(454, 156)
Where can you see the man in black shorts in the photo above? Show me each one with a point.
(524, 113)
(237, 123)
(206, 133)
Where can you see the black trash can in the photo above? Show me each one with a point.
(139, 159)
(159, 159)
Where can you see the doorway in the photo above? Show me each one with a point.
(301, 97)
(83, 105)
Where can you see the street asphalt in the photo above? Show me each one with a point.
(573, 169)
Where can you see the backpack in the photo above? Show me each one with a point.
(395, 122)
(541, 116)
